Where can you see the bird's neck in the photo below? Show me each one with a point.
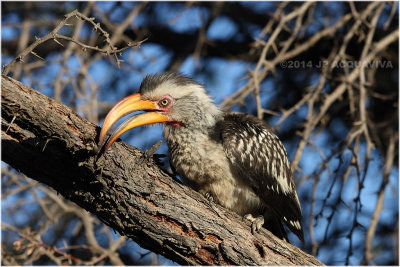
(204, 124)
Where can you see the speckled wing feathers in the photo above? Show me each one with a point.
(261, 159)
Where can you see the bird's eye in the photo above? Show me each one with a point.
(164, 102)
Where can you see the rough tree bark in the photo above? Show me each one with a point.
(126, 189)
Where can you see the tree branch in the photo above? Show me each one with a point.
(126, 189)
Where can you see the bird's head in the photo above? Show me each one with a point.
(170, 98)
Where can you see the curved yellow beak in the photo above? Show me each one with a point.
(124, 107)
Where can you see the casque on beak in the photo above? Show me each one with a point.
(128, 105)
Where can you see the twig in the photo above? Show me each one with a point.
(54, 35)
(390, 154)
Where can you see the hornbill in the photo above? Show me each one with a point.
(233, 159)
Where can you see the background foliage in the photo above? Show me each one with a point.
(324, 75)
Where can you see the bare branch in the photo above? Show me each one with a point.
(54, 34)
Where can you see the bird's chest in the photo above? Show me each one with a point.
(201, 162)
(199, 159)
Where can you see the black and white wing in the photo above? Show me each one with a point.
(261, 159)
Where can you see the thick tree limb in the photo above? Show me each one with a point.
(126, 189)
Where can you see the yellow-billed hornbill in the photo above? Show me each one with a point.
(234, 159)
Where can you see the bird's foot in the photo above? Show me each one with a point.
(210, 198)
(256, 223)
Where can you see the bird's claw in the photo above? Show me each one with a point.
(256, 223)
(210, 198)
